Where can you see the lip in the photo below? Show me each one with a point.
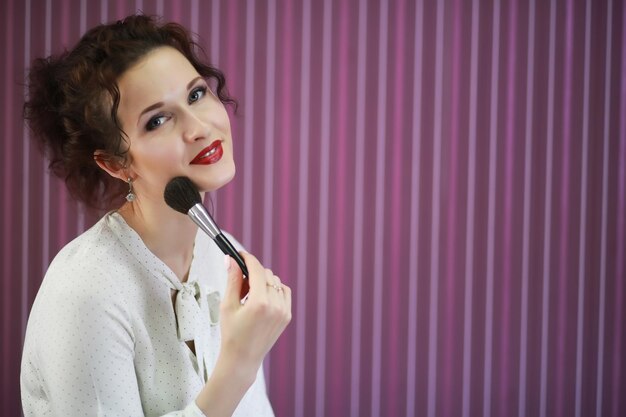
(209, 155)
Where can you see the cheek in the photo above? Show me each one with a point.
(221, 119)
(155, 157)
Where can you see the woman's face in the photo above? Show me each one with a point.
(175, 125)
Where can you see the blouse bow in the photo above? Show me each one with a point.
(195, 307)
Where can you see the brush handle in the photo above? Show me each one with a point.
(228, 249)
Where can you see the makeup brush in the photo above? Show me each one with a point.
(183, 196)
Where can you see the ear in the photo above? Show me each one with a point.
(113, 165)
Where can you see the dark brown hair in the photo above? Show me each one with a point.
(73, 100)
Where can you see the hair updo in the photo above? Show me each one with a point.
(73, 100)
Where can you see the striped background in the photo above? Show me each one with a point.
(442, 184)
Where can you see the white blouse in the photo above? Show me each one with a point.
(103, 338)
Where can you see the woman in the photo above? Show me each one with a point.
(141, 314)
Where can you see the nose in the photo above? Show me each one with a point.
(193, 126)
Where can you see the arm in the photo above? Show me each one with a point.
(82, 349)
(80, 358)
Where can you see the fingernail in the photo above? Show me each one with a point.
(227, 262)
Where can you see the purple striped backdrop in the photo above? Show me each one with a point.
(441, 183)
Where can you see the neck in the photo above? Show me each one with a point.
(168, 234)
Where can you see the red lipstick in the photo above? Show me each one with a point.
(209, 155)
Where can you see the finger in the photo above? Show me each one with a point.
(277, 281)
(279, 296)
(257, 275)
(287, 299)
(272, 280)
(233, 283)
(275, 290)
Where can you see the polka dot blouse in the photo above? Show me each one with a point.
(104, 338)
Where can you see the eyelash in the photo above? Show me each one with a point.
(151, 123)
(159, 117)
(202, 89)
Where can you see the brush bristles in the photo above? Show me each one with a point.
(181, 194)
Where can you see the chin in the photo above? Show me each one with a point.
(217, 180)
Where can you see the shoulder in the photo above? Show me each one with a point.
(88, 262)
(86, 274)
(80, 296)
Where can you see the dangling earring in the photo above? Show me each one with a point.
(130, 197)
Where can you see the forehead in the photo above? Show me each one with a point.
(160, 71)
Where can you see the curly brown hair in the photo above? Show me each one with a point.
(73, 100)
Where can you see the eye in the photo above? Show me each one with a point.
(196, 94)
(155, 122)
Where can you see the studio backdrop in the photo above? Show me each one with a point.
(441, 183)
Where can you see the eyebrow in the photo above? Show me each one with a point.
(160, 103)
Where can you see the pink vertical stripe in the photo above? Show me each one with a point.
(564, 212)
(434, 230)
(357, 257)
(176, 14)
(7, 183)
(194, 18)
(121, 10)
(83, 16)
(303, 216)
(214, 59)
(618, 323)
(469, 219)
(504, 383)
(45, 258)
(268, 186)
(283, 254)
(411, 388)
(583, 218)
(528, 156)
(379, 229)
(214, 56)
(545, 308)
(395, 279)
(603, 239)
(286, 138)
(268, 183)
(322, 260)
(80, 218)
(26, 181)
(248, 143)
(341, 287)
(449, 345)
(493, 133)
(61, 196)
(215, 33)
(104, 11)
(232, 65)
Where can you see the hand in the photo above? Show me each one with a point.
(250, 329)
